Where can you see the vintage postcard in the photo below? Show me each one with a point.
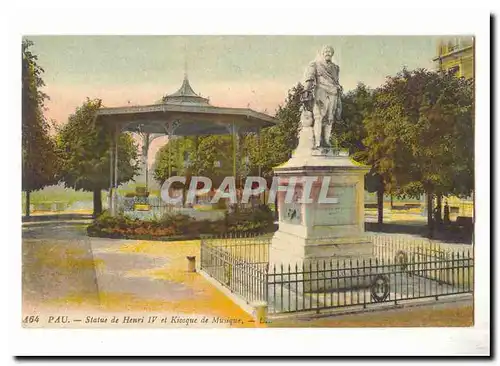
(217, 181)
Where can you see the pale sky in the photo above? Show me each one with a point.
(233, 71)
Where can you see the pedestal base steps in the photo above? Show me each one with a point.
(323, 263)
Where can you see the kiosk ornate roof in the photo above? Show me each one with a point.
(193, 115)
(185, 95)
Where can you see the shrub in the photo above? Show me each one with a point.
(221, 204)
(255, 220)
(175, 220)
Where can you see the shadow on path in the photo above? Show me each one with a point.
(57, 217)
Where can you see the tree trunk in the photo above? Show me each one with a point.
(430, 221)
(276, 216)
(439, 217)
(380, 206)
(28, 203)
(392, 202)
(97, 202)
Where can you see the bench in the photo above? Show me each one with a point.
(465, 221)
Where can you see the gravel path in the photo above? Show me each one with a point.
(66, 272)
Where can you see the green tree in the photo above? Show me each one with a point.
(420, 134)
(277, 143)
(209, 155)
(288, 126)
(275, 147)
(357, 108)
(214, 157)
(84, 148)
(39, 159)
(170, 157)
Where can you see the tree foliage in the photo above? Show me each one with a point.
(415, 131)
(84, 148)
(277, 143)
(209, 156)
(39, 159)
(421, 132)
(212, 155)
(356, 106)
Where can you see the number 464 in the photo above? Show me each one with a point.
(31, 319)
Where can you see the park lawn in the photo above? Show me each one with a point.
(454, 316)
(83, 211)
(56, 199)
(58, 194)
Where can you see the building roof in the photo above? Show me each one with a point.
(185, 95)
(189, 113)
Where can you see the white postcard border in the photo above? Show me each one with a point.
(290, 20)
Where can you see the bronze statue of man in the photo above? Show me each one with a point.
(322, 96)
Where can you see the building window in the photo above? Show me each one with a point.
(455, 70)
(454, 44)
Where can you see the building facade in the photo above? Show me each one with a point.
(456, 54)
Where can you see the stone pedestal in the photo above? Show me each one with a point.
(318, 229)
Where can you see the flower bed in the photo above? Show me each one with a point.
(181, 227)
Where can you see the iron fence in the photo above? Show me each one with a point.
(252, 248)
(412, 251)
(239, 263)
(387, 246)
(396, 273)
(333, 284)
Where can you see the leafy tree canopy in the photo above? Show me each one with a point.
(84, 147)
(420, 133)
(40, 163)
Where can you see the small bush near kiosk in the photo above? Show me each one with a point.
(169, 227)
(259, 219)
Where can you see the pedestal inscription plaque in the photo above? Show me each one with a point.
(341, 213)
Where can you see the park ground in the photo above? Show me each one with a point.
(66, 273)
